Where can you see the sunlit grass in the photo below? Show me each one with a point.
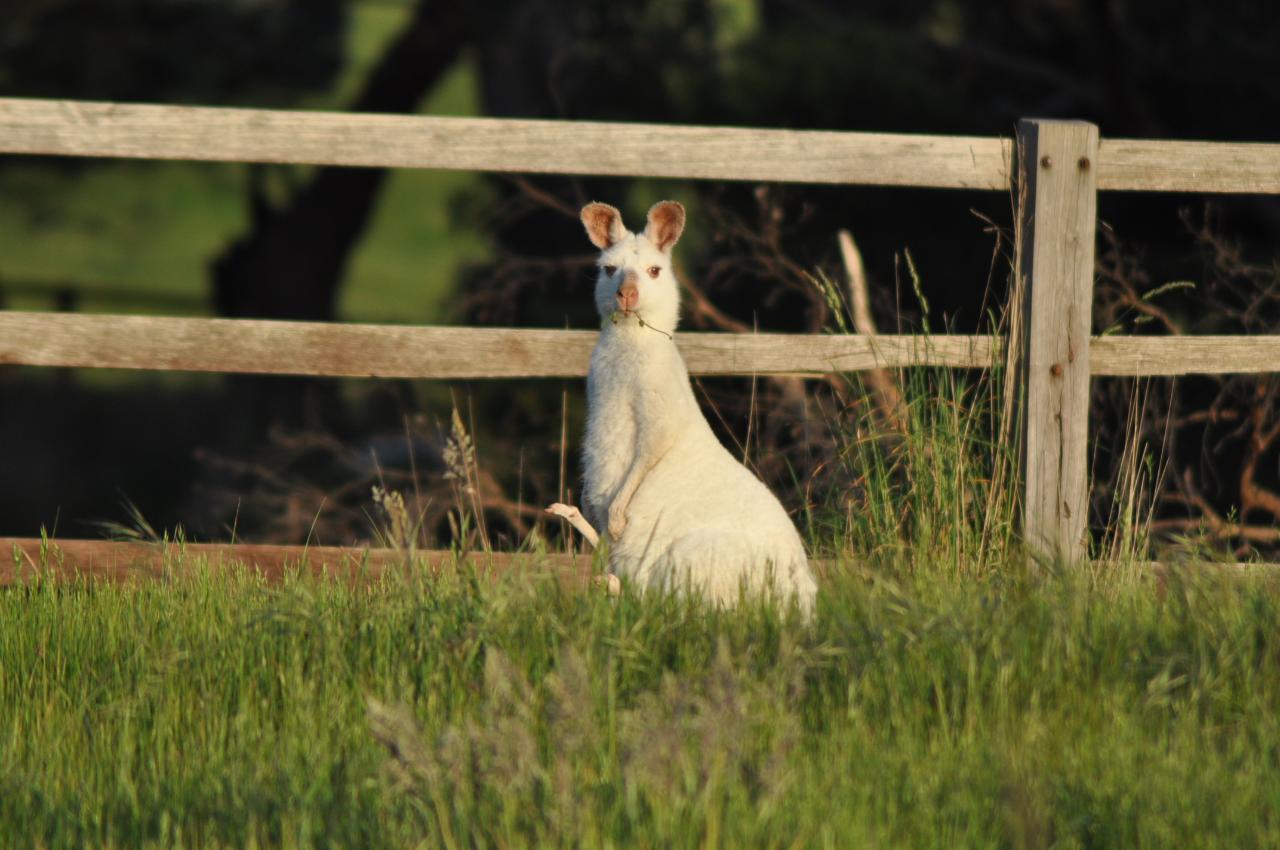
(916, 710)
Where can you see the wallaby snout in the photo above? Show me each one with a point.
(627, 297)
(628, 293)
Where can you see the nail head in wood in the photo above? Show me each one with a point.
(1056, 370)
(1084, 163)
(1046, 161)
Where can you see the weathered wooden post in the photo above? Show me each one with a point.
(1058, 193)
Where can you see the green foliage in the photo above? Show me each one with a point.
(937, 490)
(133, 237)
(916, 710)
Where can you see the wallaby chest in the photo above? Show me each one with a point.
(624, 379)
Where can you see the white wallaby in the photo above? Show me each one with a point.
(678, 509)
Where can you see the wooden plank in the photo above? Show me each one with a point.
(145, 131)
(23, 559)
(1184, 355)
(82, 128)
(1149, 165)
(396, 351)
(1161, 571)
(1055, 263)
(815, 355)
(351, 350)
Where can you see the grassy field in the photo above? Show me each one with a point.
(918, 709)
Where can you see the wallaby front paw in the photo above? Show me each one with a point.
(577, 520)
(617, 523)
(609, 584)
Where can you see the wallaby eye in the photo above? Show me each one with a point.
(654, 271)
(610, 270)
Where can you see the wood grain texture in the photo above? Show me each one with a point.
(145, 131)
(1176, 166)
(1056, 264)
(83, 128)
(1184, 355)
(396, 351)
(23, 559)
(27, 559)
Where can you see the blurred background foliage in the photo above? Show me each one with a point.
(280, 458)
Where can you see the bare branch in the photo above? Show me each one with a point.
(887, 397)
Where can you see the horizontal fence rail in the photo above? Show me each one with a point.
(27, 559)
(145, 131)
(1153, 165)
(23, 559)
(79, 128)
(396, 351)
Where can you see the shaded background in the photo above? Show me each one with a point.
(280, 459)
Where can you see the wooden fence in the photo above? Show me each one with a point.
(1057, 168)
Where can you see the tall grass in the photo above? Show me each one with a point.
(929, 492)
(923, 476)
(917, 709)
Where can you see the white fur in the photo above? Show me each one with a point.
(679, 510)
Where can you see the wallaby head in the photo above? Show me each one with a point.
(635, 278)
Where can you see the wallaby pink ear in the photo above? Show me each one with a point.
(603, 224)
(666, 223)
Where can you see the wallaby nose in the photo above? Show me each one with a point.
(628, 294)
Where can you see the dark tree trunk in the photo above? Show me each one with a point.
(292, 261)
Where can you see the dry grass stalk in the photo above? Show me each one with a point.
(888, 397)
(463, 470)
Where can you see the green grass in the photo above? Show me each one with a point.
(917, 709)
